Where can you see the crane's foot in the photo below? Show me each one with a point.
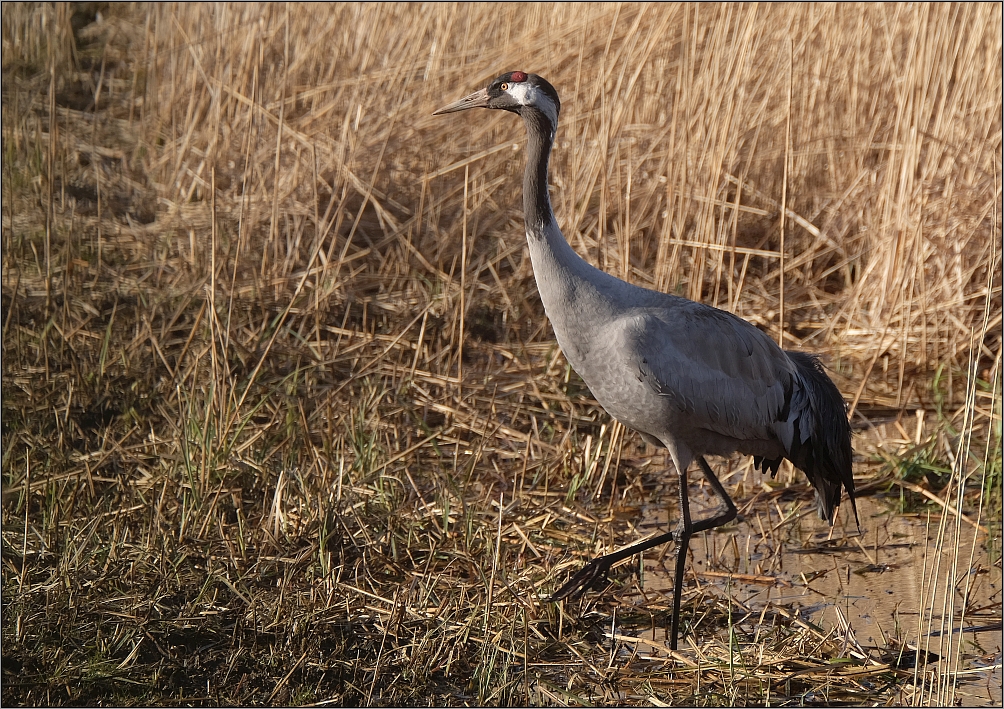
(595, 570)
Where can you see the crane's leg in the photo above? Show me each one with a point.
(730, 511)
(688, 528)
(597, 568)
(684, 531)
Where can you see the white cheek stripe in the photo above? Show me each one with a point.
(528, 95)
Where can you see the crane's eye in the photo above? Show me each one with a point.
(504, 87)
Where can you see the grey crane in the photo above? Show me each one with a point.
(695, 379)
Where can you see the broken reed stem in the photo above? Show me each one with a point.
(50, 170)
(463, 289)
(784, 197)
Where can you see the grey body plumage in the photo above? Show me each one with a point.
(693, 378)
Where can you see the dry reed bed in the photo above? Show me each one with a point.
(252, 453)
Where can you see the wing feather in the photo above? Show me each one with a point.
(718, 369)
(727, 377)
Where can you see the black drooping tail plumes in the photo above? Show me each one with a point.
(825, 457)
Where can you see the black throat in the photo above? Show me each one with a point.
(537, 211)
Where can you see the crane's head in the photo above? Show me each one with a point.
(514, 91)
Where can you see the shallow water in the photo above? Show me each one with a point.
(868, 586)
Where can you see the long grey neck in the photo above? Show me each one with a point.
(578, 298)
(554, 261)
(536, 203)
(567, 284)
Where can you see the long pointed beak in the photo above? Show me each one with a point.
(478, 99)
